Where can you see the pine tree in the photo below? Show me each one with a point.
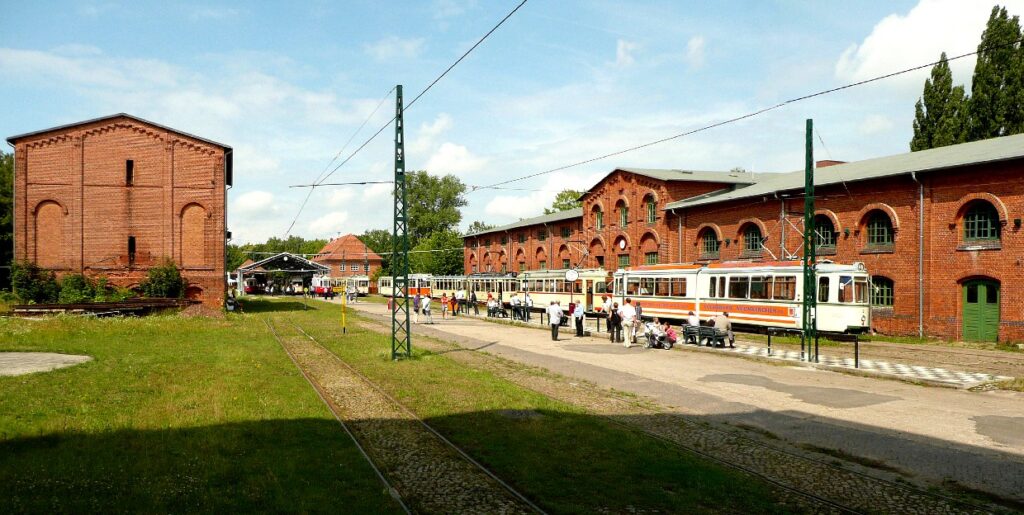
(994, 94)
(940, 113)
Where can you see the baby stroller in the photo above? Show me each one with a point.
(656, 337)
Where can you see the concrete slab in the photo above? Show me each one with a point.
(21, 363)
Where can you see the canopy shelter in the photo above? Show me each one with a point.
(285, 262)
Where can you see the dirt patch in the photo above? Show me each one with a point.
(200, 310)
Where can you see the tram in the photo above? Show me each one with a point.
(360, 283)
(497, 285)
(545, 286)
(760, 294)
(418, 283)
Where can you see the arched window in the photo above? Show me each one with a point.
(598, 218)
(752, 240)
(824, 235)
(882, 290)
(623, 215)
(709, 244)
(879, 229)
(651, 206)
(981, 222)
(193, 236)
(49, 237)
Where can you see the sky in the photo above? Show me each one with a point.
(287, 84)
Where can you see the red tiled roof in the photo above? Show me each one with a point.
(348, 245)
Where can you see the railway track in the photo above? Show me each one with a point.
(422, 470)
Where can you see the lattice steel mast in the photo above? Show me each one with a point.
(810, 303)
(401, 339)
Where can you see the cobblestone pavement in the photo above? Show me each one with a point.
(956, 378)
(19, 363)
(428, 474)
(825, 483)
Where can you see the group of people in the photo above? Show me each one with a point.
(555, 314)
(624, 323)
(521, 307)
(459, 302)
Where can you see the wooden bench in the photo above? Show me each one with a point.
(712, 336)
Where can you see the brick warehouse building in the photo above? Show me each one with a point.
(115, 195)
(939, 231)
(348, 255)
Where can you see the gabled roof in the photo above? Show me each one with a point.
(285, 262)
(692, 175)
(13, 139)
(348, 246)
(543, 219)
(924, 161)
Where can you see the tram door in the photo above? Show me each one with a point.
(981, 311)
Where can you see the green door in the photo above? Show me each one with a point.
(981, 311)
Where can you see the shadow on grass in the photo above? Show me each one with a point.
(259, 305)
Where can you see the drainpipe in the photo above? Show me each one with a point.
(14, 210)
(920, 255)
(679, 230)
(547, 234)
(782, 227)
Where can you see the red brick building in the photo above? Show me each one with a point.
(116, 195)
(939, 230)
(347, 255)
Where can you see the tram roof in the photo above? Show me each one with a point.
(285, 262)
(932, 160)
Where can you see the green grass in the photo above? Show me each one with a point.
(172, 415)
(561, 457)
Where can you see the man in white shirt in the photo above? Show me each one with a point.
(577, 316)
(693, 320)
(628, 314)
(555, 319)
(425, 306)
(528, 300)
(515, 303)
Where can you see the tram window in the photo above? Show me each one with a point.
(846, 289)
(632, 286)
(759, 287)
(860, 286)
(785, 287)
(600, 287)
(662, 287)
(647, 286)
(713, 287)
(738, 287)
(823, 289)
(678, 287)
(577, 287)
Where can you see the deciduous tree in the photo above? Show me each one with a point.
(564, 201)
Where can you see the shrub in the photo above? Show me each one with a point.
(75, 288)
(33, 284)
(164, 281)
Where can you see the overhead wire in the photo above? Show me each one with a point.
(739, 118)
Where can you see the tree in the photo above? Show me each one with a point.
(564, 201)
(995, 102)
(433, 204)
(478, 226)
(163, 281)
(438, 254)
(939, 115)
(6, 218)
(379, 241)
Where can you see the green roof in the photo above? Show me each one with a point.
(543, 219)
(924, 161)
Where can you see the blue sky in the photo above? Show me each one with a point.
(286, 84)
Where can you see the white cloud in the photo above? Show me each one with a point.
(451, 8)
(329, 224)
(253, 202)
(624, 52)
(901, 41)
(378, 190)
(340, 197)
(394, 47)
(454, 159)
(424, 139)
(875, 124)
(695, 51)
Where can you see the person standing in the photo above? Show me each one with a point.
(528, 300)
(516, 304)
(555, 319)
(426, 310)
(460, 300)
(416, 308)
(577, 316)
(615, 323)
(628, 314)
(444, 306)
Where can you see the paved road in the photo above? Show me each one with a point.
(928, 434)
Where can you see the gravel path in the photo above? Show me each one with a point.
(824, 483)
(429, 475)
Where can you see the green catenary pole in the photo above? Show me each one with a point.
(810, 287)
(401, 339)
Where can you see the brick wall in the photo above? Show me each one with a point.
(74, 211)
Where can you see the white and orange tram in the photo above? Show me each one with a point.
(765, 294)
(545, 286)
(418, 283)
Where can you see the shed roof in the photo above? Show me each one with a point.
(13, 139)
(285, 262)
(543, 219)
(663, 174)
(942, 158)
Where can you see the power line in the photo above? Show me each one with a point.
(355, 183)
(741, 117)
(425, 90)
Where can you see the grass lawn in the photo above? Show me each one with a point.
(562, 458)
(172, 415)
